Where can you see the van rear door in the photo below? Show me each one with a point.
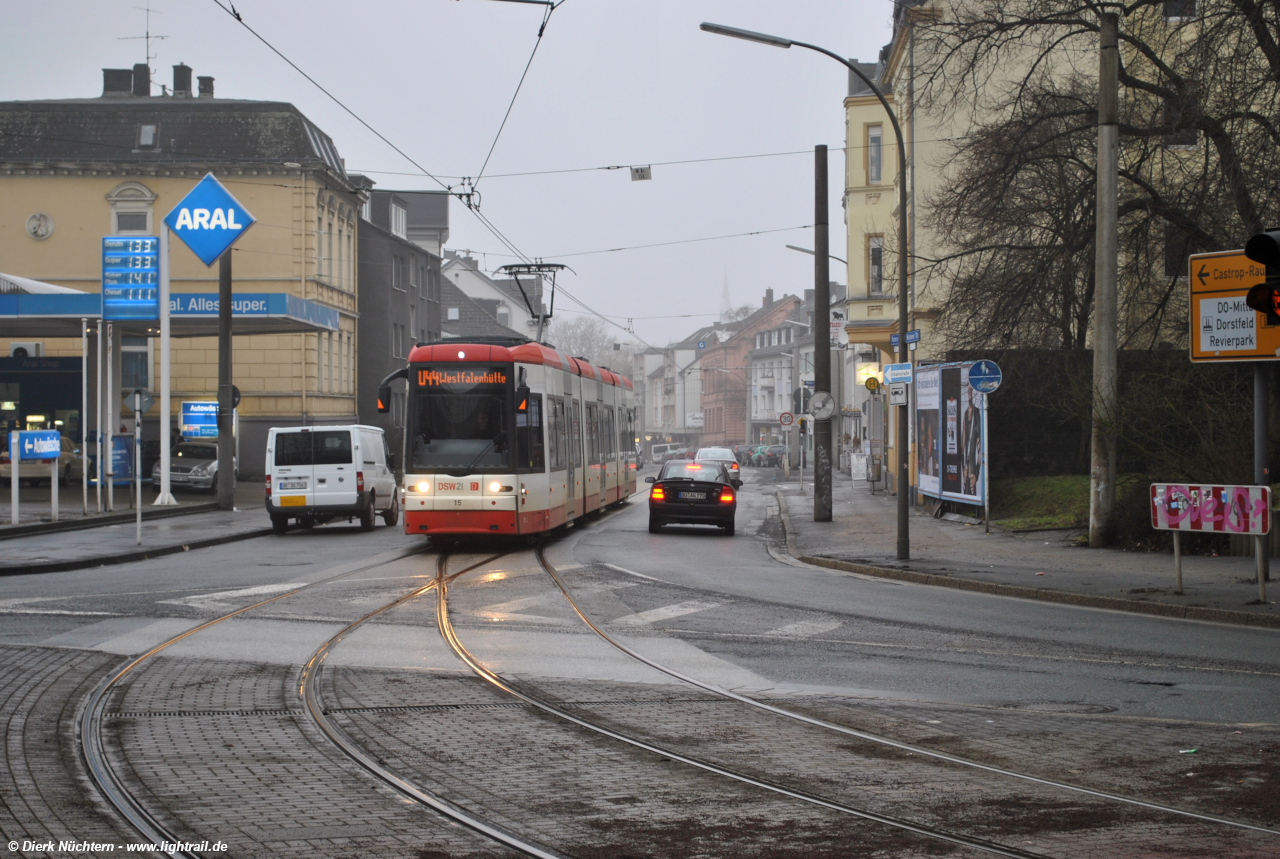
(335, 467)
(292, 479)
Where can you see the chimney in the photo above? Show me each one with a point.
(768, 298)
(808, 295)
(117, 81)
(182, 79)
(142, 80)
(206, 86)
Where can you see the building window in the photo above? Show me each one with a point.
(135, 363)
(399, 221)
(320, 245)
(131, 209)
(875, 154)
(504, 315)
(875, 264)
(341, 271)
(453, 314)
(328, 249)
(1179, 10)
(1179, 117)
(148, 136)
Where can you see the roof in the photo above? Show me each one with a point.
(525, 353)
(11, 284)
(191, 130)
(873, 71)
(472, 321)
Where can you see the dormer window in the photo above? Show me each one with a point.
(148, 135)
(399, 221)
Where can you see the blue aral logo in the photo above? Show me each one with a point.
(209, 219)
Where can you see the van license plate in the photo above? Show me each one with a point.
(293, 484)
(694, 496)
(293, 501)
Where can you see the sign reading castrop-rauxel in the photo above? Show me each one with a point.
(209, 219)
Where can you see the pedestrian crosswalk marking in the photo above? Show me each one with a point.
(667, 612)
(200, 600)
(804, 628)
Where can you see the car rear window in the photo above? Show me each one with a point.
(692, 470)
(715, 453)
(315, 447)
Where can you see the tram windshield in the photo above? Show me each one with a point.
(457, 418)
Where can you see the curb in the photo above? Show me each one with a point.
(98, 521)
(129, 557)
(1212, 615)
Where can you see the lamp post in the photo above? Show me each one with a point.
(820, 265)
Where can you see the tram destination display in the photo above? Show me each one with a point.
(130, 278)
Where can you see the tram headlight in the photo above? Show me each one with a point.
(497, 487)
(424, 486)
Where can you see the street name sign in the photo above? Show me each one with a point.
(913, 336)
(897, 373)
(1223, 327)
(130, 277)
(209, 219)
(985, 376)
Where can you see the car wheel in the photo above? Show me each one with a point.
(279, 524)
(366, 518)
(654, 525)
(392, 514)
(729, 530)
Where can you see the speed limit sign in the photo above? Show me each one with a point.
(786, 419)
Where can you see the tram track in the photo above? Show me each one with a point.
(887, 742)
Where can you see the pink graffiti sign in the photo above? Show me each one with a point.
(1217, 509)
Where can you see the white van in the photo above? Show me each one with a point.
(660, 452)
(319, 473)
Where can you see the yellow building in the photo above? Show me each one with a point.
(73, 171)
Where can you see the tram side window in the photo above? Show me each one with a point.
(556, 432)
(593, 434)
(532, 451)
(625, 436)
(606, 433)
(576, 420)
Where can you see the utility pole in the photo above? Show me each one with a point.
(226, 441)
(1102, 466)
(1261, 455)
(821, 338)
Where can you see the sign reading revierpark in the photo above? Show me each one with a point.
(1223, 326)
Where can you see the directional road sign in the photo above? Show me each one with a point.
(1223, 327)
(786, 419)
(985, 376)
(39, 444)
(822, 406)
(897, 373)
(130, 277)
(209, 219)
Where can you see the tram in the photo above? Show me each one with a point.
(508, 436)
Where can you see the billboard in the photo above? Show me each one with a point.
(199, 419)
(950, 447)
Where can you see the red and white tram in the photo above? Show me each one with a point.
(510, 437)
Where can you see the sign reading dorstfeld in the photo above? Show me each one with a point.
(1215, 509)
(1223, 327)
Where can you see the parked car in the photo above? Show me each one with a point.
(193, 464)
(757, 454)
(742, 453)
(774, 454)
(724, 456)
(662, 452)
(35, 472)
(697, 493)
(317, 474)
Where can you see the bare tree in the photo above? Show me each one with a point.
(587, 337)
(1200, 147)
(738, 314)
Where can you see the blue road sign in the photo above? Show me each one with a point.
(985, 376)
(897, 373)
(130, 277)
(39, 444)
(913, 336)
(199, 420)
(702, 344)
(209, 219)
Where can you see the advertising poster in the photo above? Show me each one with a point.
(928, 440)
(949, 440)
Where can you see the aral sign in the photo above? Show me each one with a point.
(209, 219)
(1223, 327)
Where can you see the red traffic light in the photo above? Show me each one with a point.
(1265, 298)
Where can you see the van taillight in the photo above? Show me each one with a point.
(268, 480)
(359, 481)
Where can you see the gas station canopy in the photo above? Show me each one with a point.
(29, 308)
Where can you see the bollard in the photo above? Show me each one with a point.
(1177, 560)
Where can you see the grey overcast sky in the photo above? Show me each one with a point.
(613, 83)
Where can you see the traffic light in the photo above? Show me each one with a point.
(1265, 297)
(800, 399)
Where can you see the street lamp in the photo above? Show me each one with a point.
(820, 266)
(810, 253)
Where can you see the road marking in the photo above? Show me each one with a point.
(625, 570)
(804, 628)
(204, 600)
(15, 606)
(654, 615)
(513, 605)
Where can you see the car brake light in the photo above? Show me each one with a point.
(359, 481)
(268, 480)
(658, 494)
(726, 495)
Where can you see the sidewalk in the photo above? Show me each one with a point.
(102, 540)
(862, 538)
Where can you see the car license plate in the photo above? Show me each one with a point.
(293, 501)
(694, 496)
(293, 484)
